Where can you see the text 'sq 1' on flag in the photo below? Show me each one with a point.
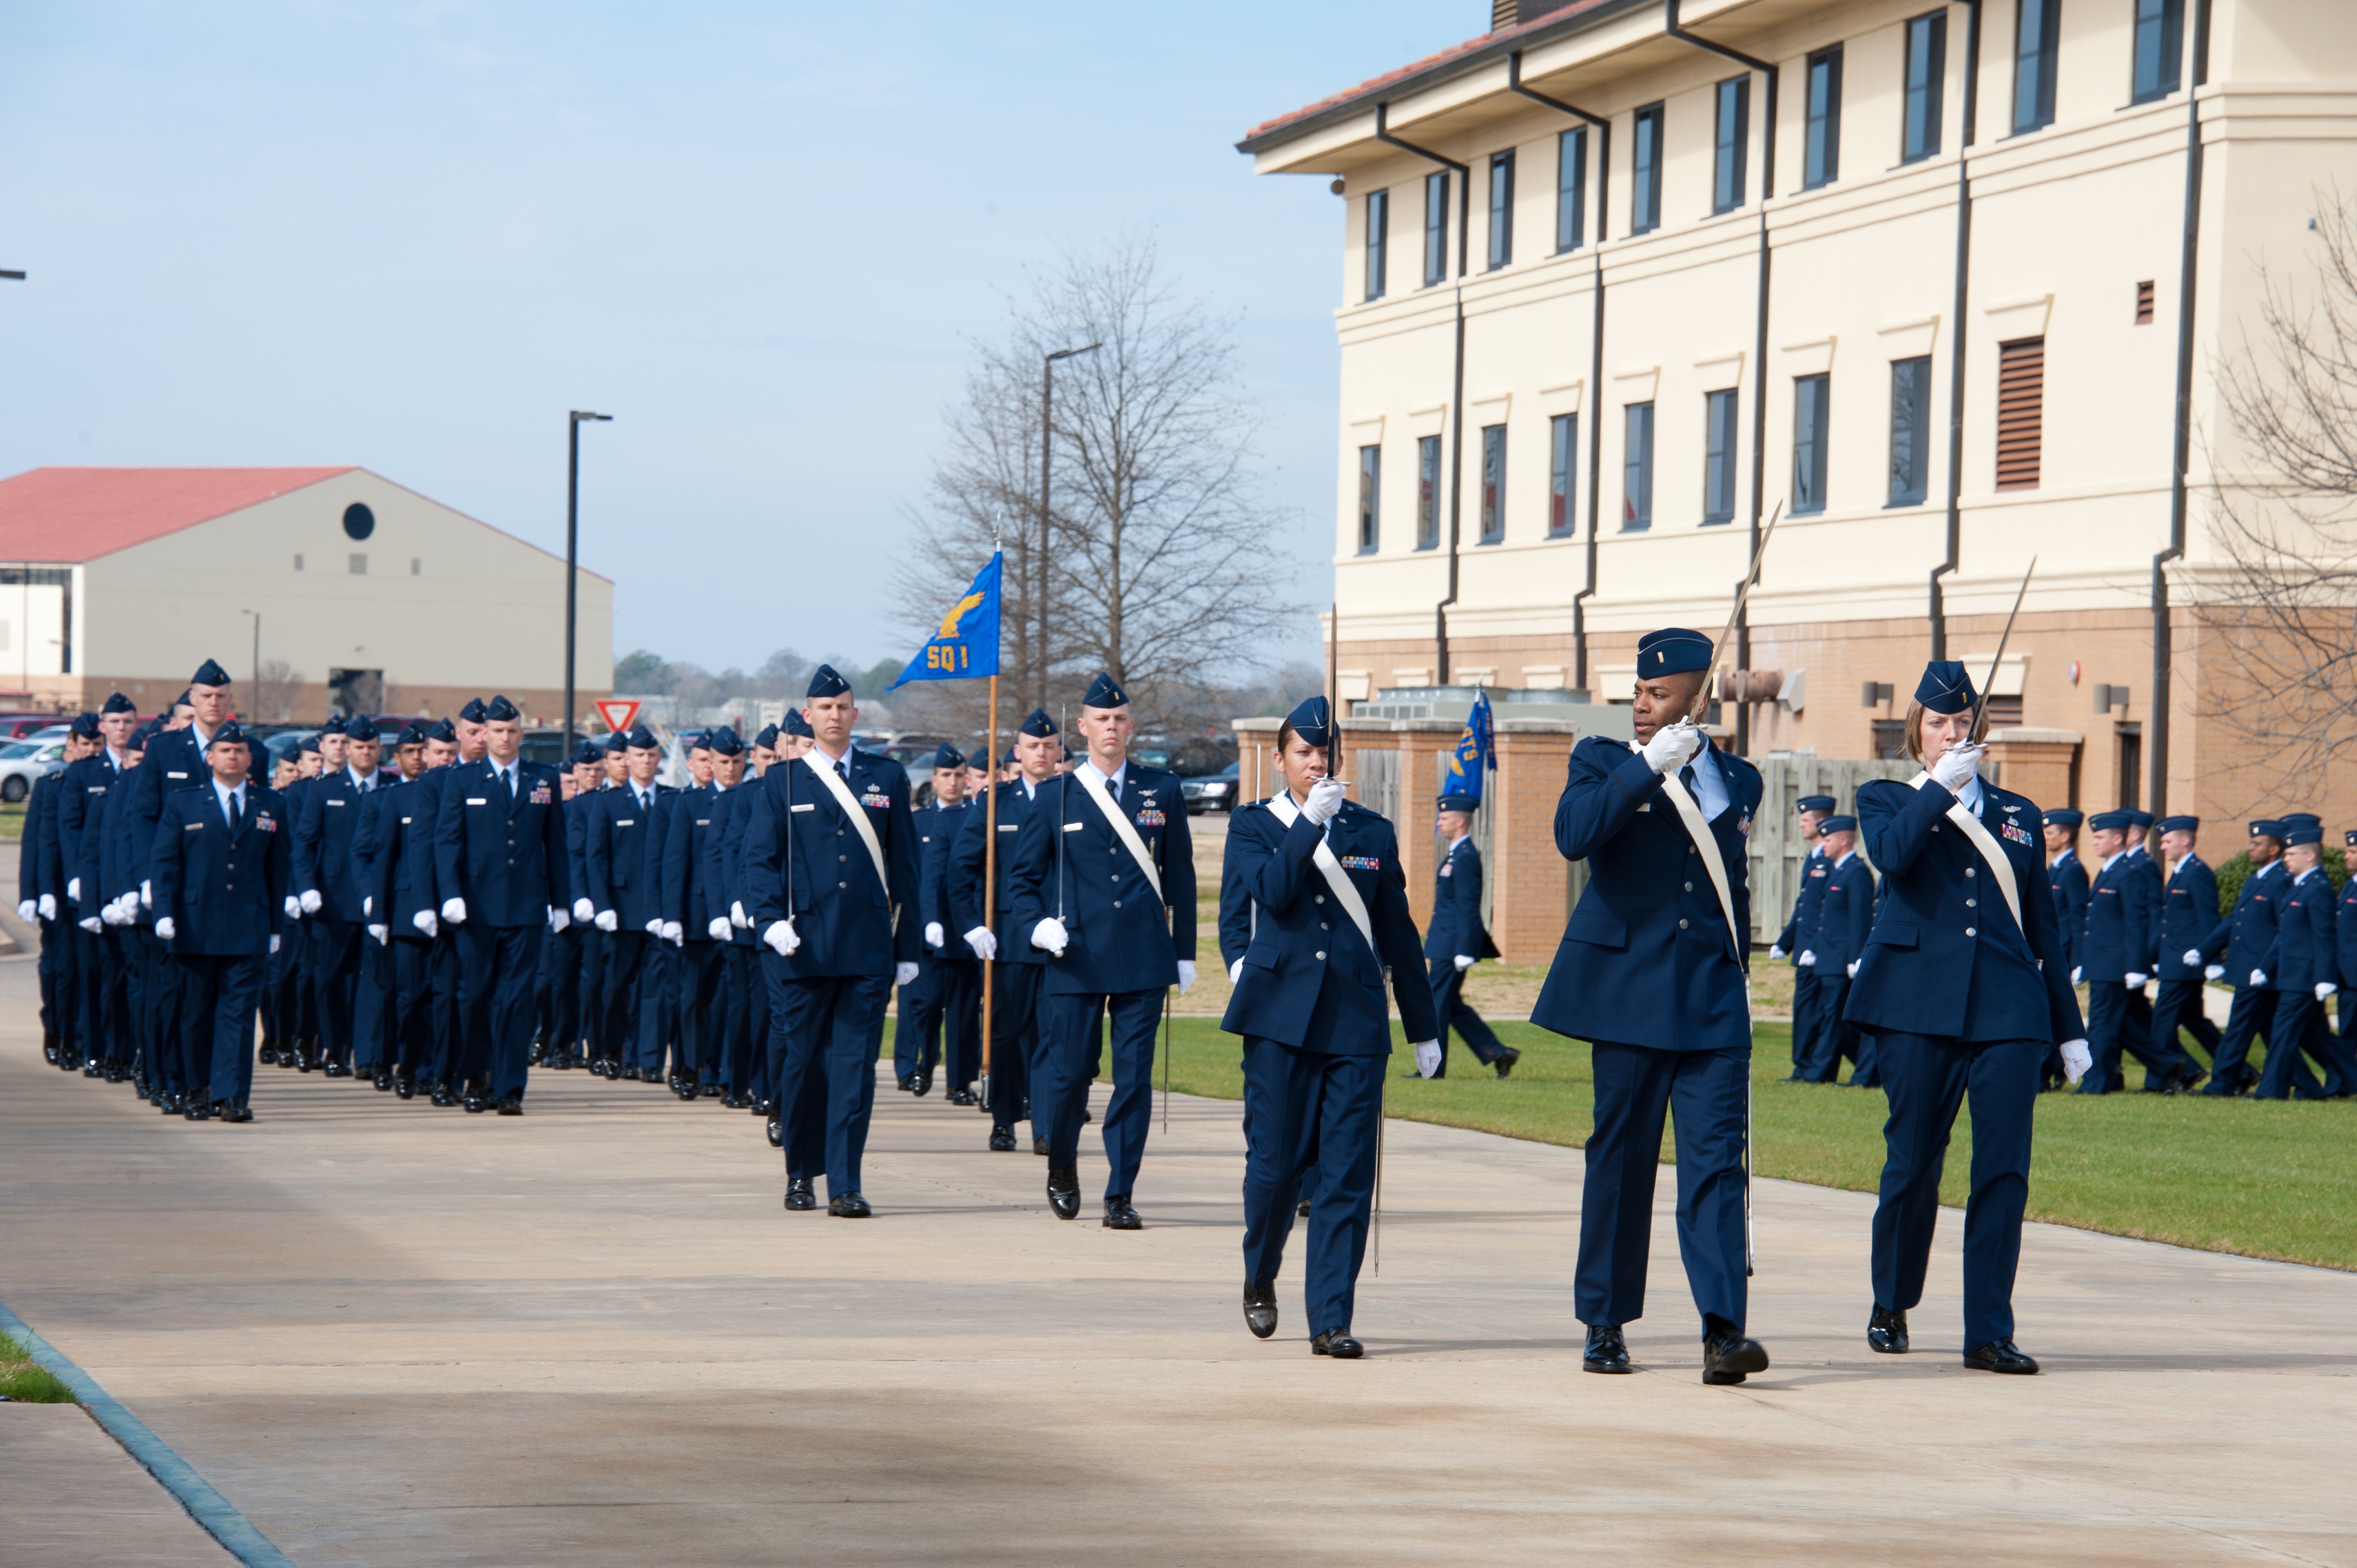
(1471, 758)
(966, 642)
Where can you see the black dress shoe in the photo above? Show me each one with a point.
(960, 1097)
(799, 1195)
(1001, 1140)
(924, 1084)
(198, 1111)
(908, 1084)
(1606, 1350)
(1259, 1310)
(303, 1062)
(2187, 1081)
(2000, 1356)
(441, 1095)
(1301, 1209)
(777, 1131)
(1040, 1145)
(850, 1206)
(286, 1058)
(1335, 1343)
(405, 1086)
(383, 1081)
(228, 1113)
(1120, 1215)
(1886, 1332)
(1728, 1356)
(512, 1103)
(477, 1101)
(632, 1073)
(1064, 1192)
(733, 1102)
(267, 1056)
(49, 1048)
(1506, 1060)
(340, 1069)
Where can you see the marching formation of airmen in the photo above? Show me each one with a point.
(442, 921)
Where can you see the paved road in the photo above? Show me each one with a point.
(393, 1335)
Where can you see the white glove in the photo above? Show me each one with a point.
(558, 919)
(2074, 973)
(738, 917)
(1807, 959)
(1050, 935)
(782, 938)
(718, 928)
(1852, 971)
(983, 942)
(25, 910)
(368, 904)
(2076, 1059)
(2259, 977)
(1326, 798)
(933, 934)
(91, 924)
(584, 910)
(2192, 958)
(608, 921)
(655, 929)
(294, 907)
(274, 944)
(1235, 972)
(1775, 952)
(1956, 765)
(49, 905)
(1186, 975)
(1427, 1057)
(904, 974)
(2215, 971)
(115, 914)
(453, 910)
(383, 934)
(2325, 988)
(1673, 747)
(2135, 981)
(147, 895)
(311, 901)
(165, 927)
(73, 889)
(674, 933)
(424, 921)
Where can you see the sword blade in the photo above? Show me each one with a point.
(1735, 616)
(1980, 700)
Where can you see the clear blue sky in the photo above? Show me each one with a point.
(411, 236)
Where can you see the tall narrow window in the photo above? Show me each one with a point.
(1927, 69)
(1562, 462)
(1809, 420)
(1645, 189)
(1501, 210)
(1821, 161)
(2159, 42)
(1379, 234)
(2036, 46)
(1734, 125)
(1493, 483)
(1370, 498)
(2020, 412)
(1911, 430)
(1718, 456)
(1436, 228)
(1637, 470)
(1427, 492)
(1571, 190)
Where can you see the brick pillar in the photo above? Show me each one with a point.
(2035, 762)
(1527, 874)
(1255, 767)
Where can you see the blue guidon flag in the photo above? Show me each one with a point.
(1471, 758)
(966, 642)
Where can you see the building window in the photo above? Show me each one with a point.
(1734, 120)
(1821, 164)
(1501, 210)
(2144, 303)
(1379, 234)
(1645, 188)
(2020, 412)
(1911, 430)
(1812, 411)
(2003, 712)
(2159, 42)
(1436, 228)
(1927, 68)
(2037, 24)
(359, 521)
(360, 565)
(1570, 190)
(1890, 740)
(1563, 463)
(1493, 483)
(1427, 492)
(1371, 485)
(1718, 456)
(1637, 470)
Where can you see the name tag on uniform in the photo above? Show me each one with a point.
(192, 827)
(335, 802)
(485, 801)
(804, 807)
(625, 822)
(703, 822)
(1010, 827)
(404, 822)
(169, 775)
(1074, 827)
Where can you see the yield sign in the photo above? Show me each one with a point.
(619, 713)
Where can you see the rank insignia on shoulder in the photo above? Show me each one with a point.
(1152, 817)
(2015, 832)
(1362, 862)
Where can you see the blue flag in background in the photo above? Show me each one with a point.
(1471, 758)
(966, 643)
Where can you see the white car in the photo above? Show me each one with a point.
(23, 761)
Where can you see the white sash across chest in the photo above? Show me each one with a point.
(1346, 892)
(852, 809)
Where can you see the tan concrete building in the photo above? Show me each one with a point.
(354, 593)
(1951, 284)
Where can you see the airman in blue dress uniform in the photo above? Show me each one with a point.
(1115, 945)
(2243, 947)
(2188, 918)
(407, 914)
(2115, 959)
(1964, 989)
(2304, 973)
(1016, 967)
(1313, 922)
(1799, 937)
(97, 961)
(626, 892)
(2345, 931)
(1844, 915)
(1651, 972)
(327, 889)
(934, 1010)
(1458, 939)
(745, 1040)
(694, 906)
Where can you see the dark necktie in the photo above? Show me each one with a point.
(236, 816)
(1686, 777)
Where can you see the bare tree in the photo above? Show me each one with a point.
(275, 688)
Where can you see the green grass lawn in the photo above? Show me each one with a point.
(12, 821)
(25, 1380)
(2269, 1180)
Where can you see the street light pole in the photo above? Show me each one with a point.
(253, 691)
(1046, 438)
(572, 557)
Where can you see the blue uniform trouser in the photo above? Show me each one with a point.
(742, 1050)
(90, 964)
(658, 1036)
(1810, 1035)
(498, 963)
(833, 1027)
(702, 1009)
(593, 949)
(626, 964)
(2252, 1016)
(1307, 1111)
(2179, 1006)
(957, 991)
(49, 963)
(118, 959)
(561, 1036)
(1061, 1091)
(1014, 1040)
(159, 1013)
(335, 973)
(1634, 1085)
(1927, 1078)
(412, 1050)
(1449, 1001)
(2111, 1029)
(449, 1016)
(917, 1030)
(218, 998)
(372, 1006)
(2301, 1025)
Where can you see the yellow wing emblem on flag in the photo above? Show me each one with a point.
(950, 622)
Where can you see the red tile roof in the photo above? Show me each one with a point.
(80, 514)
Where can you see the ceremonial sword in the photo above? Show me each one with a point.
(1980, 700)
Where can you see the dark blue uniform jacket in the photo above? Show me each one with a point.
(620, 853)
(2189, 919)
(968, 860)
(2122, 912)
(2307, 950)
(1846, 911)
(225, 893)
(1456, 925)
(805, 858)
(2247, 936)
(1122, 940)
(326, 827)
(690, 895)
(502, 851)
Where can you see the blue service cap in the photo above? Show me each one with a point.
(2349, 838)
(2301, 820)
(209, 674)
(116, 702)
(85, 724)
(1945, 688)
(503, 711)
(2064, 817)
(797, 725)
(1673, 651)
(2267, 828)
(412, 734)
(2110, 821)
(1815, 803)
(2178, 824)
(616, 742)
(2302, 833)
(768, 739)
(947, 756)
(827, 681)
(1036, 724)
(182, 700)
(642, 738)
(444, 731)
(2139, 819)
(335, 725)
(1104, 691)
(1313, 721)
(726, 742)
(474, 713)
(1838, 825)
(1465, 803)
(589, 753)
(229, 733)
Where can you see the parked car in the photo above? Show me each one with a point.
(1212, 791)
(24, 725)
(23, 761)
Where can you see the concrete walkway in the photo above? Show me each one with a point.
(393, 1334)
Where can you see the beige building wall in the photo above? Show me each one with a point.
(2067, 221)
